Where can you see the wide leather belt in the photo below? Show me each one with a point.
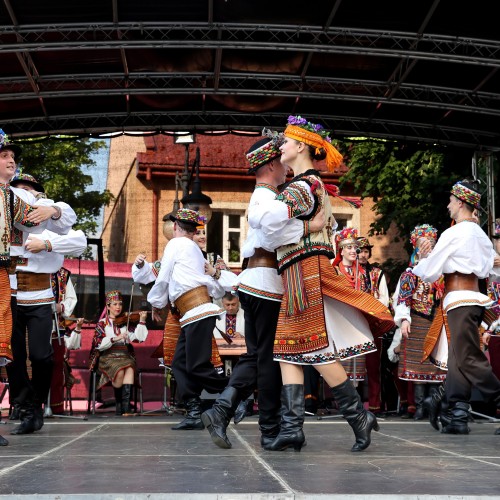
(189, 300)
(12, 267)
(262, 258)
(33, 282)
(458, 281)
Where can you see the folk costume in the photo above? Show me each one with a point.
(419, 304)
(35, 305)
(377, 287)
(260, 291)
(318, 306)
(358, 279)
(112, 356)
(463, 254)
(182, 282)
(147, 274)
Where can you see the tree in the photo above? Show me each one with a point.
(409, 184)
(57, 165)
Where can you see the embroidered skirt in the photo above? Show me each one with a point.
(112, 361)
(338, 322)
(411, 367)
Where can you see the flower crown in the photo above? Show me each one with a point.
(423, 231)
(316, 128)
(4, 138)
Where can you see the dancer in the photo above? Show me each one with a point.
(322, 319)
(260, 291)
(416, 305)
(464, 254)
(183, 282)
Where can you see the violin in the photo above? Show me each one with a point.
(132, 317)
(66, 322)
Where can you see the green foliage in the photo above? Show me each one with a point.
(57, 165)
(409, 184)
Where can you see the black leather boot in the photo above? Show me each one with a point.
(433, 405)
(38, 416)
(15, 413)
(126, 394)
(352, 409)
(459, 419)
(118, 400)
(241, 411)
(217, 418)
(269, 432)
(3, 441)
(497, 432)
(193, 417)
(292, 419)
(419, 396)
(27, 425)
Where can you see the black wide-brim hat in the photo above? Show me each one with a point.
(27, 179)
(16, 149)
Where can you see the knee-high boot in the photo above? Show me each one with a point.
(419, 395)
(126, 395)
(292, 419)
(118, 400)
(361, 420)
(433, 405)
(217, 418)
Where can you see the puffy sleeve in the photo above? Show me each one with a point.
(74, 341)
(139, 333)
(403, 296)
(272, 217)
(158, 295)
(147, 273)
(74, 243)
(70, 299)
(430, 269)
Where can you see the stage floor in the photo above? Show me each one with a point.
(140, 457)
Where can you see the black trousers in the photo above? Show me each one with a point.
(191, 364)
(37, 321)
(256, 368)
(467, 364)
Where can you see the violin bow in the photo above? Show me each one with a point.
(130, 306)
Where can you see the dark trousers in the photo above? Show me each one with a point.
(37, 321)
(467, 364)
(257, 368)
(191, 364)
(373, 371)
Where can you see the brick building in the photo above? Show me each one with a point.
(142, 178)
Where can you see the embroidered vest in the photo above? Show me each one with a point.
(319, 243)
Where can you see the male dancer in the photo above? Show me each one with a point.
(183, 281)
(464, 254)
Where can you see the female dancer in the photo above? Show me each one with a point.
(320, 320)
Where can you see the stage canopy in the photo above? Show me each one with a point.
(423, 71)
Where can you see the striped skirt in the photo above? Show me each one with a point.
(337, 322)
(411, 366)
(112, 361)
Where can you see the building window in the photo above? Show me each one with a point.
(225, 235)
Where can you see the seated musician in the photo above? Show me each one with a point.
(232, 323)
(112, 348)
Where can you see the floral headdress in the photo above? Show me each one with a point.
(191, 217)
(113, 296)
(202, 220)
(315, 135)
(422, 231)
(6, 144)
(348, 236)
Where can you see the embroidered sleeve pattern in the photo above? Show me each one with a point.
(297, 198)
(407, 286)
(155, 268)
(21, 212)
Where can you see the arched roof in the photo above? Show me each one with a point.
(422, 71)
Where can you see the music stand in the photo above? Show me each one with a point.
(167, 406)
